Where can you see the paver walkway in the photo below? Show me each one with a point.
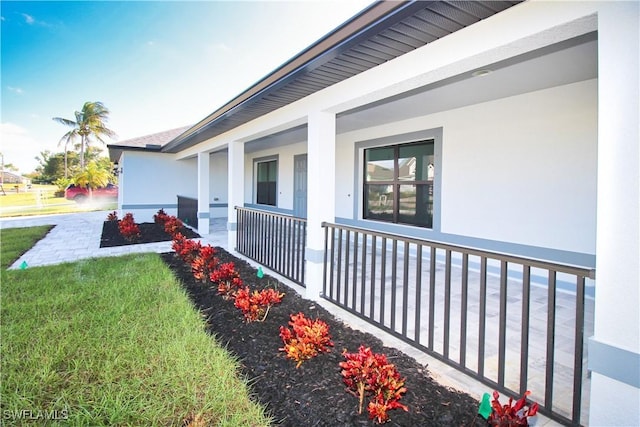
(77, 236)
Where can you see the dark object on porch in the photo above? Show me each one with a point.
(150, 233)
(188, 210)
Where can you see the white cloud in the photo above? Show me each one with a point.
(20, 147)
(28, 19)
(11, 130)
(17, 90)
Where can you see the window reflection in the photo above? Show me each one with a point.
(388, 196)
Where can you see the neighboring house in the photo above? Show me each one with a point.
(9, 177)
(466, 138)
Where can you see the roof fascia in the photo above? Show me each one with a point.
(357, 28)
(131, 148)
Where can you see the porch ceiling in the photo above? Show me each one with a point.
(380, 33)
(568, 62)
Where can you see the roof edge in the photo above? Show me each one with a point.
(131, 148)
(359, 23)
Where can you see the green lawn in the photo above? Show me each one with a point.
(14, 242)
(112, 341)
(40, 200)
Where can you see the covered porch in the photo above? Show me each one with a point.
(498, 280)
(459, 196)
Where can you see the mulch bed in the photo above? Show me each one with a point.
(150, 233)
(314, 394)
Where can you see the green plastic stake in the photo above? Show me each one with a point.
(485, 406)
(260, 273)
(23, 265)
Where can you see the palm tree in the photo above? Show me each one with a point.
(90, 121)
(93, 176)
(67, 138)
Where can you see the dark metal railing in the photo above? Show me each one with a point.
(504, 320)
(274, 240)
(188, 210)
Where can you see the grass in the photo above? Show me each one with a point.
(40, 200)
(111, 341)
(14, 242)
(37, 194)
(57, 209)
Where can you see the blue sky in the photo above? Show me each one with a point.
(156, 65)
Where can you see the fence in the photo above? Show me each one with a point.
(274, 240)
(514, 324)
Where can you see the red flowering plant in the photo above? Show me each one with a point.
(172, 225)
(112, 216)
(255, 305)
(204, 263)
(366, 372)
(128, 227)
(511, 414)
(161, 217)
(306, 339)
(227, 279)
(186, 249)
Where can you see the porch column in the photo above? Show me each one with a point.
(203, 193)
(235, 191)
(614, 349)
(121, 182)
(321, 158)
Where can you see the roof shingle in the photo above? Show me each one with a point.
(160, 138)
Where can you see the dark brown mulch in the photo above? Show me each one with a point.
(314, 394)
(150, 232)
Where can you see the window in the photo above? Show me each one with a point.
(398, 183)
(266, 183)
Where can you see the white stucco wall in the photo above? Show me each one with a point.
(152, 181)
(285, 172)
(520, 169)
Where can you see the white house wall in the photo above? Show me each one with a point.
(153, 181)
(520, 169)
